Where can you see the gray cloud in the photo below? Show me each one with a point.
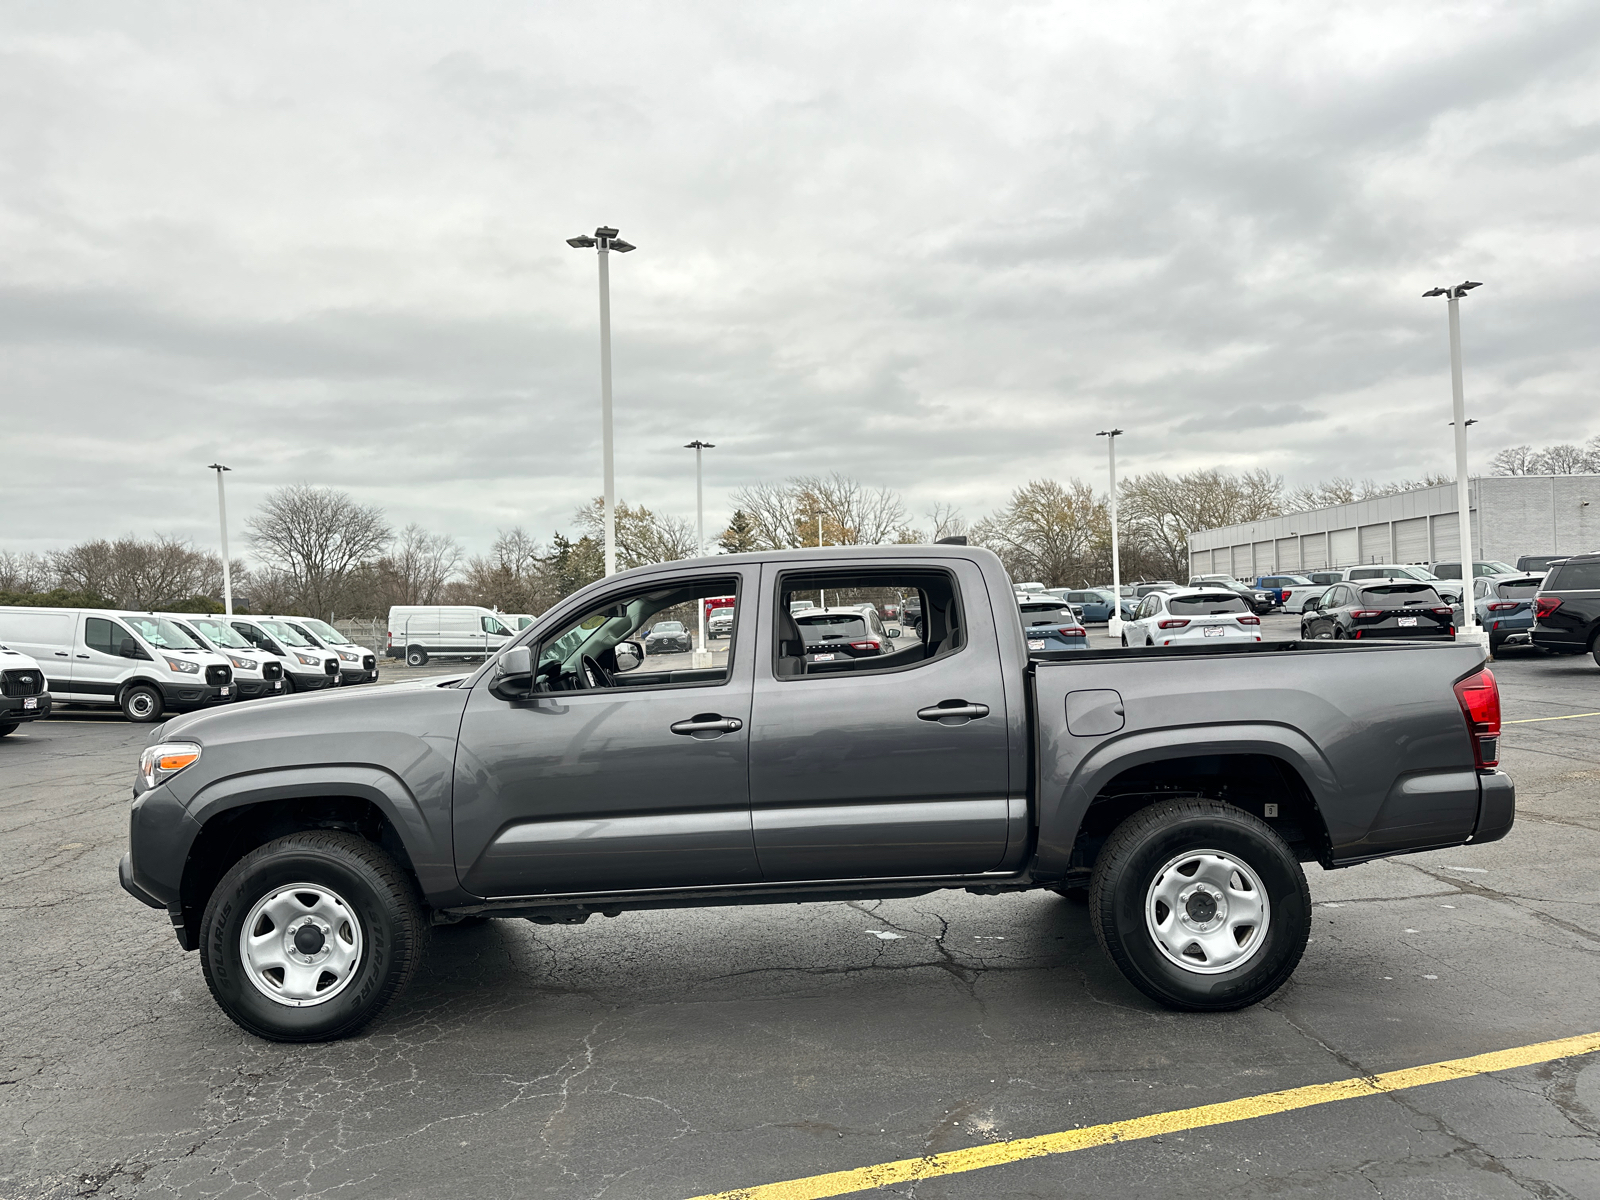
(935, 248)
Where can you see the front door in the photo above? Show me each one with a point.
(879, 764)
(616, 775)
(98, 666)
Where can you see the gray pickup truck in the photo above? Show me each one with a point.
(307, 846)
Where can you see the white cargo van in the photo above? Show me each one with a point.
(306, 668)
(23, 694)
(143, 664)
(255, 672)
(418, 633)
(357, 664)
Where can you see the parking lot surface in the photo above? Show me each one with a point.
(674, 1054)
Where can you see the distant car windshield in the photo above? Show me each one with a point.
(220, 633)
(1519, 589)
(1393, 594)
(287, 634)
(324, 631)
(667, 627)
(161, 633)
(1213, 604)
(1294, 580)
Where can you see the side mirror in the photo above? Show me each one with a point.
(513, 674)
(130, 649)
(628, 655)
(894, 633)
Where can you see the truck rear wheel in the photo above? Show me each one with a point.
(416, 656)
(1201, 905)
(9, 727)
(309, 937)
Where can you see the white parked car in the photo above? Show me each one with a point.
(143, 664)
(420, 632)
(1449, 589)
(357, 664)
(720, 623)
(306, 667)
(255, 672)
(1191, 616)
(23, 693)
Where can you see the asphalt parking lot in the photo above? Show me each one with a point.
(671, 1055)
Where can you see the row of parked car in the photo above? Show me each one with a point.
(150, 663)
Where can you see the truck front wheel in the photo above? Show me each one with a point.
(309, 937)
(1201, 905)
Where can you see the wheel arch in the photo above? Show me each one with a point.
(236, 815)
(1247, 766)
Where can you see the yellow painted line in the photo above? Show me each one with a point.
(1568, 717)
(976, 1158)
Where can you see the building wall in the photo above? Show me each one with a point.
(1511, 516)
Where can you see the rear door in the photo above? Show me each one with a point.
(854, 772)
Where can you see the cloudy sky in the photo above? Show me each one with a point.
(934, 246)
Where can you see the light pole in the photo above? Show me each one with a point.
(700, 522)
(605, 240)
(222, 518)
(1470, 629)
(1114, 625)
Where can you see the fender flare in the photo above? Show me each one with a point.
(433, 862)
(1061, 815)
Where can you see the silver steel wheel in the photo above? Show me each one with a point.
(301, 944)
(1207, 912)
(141, 704)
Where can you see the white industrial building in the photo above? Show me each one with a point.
(1511, 515)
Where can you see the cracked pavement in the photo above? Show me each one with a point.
(663, 1055)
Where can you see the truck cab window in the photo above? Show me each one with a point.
(831, 622)
(638, 639)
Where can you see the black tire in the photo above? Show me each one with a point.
(9, 727)
(288, 685)
(416, 656)
(392, 930)
(140, 703)
(1132, 862)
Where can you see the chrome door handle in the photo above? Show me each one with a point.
(952, 708)
(707, 723)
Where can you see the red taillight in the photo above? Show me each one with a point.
(1450, 612)
(1479, 696)
(1174, 623)
(1502, 606)
(1545, 605)
(1070, 631)
(1286, 594)
(865, 646)
(391, 641)
(1248, 620)
(1366, 612)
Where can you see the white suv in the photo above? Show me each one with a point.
(1191, 616)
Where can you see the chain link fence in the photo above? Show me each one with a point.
(372, 634)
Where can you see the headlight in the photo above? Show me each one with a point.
(348, 657)
(184, 665)
(307, 661)
(161, 762)
(245, 664)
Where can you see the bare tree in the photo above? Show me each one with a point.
(22, 573)
(133, 573)
(1514, 460)
(318, 537)
(416, 570)
(785, 516)
(1160, 511)
(1058, 534)
(1563, 459)
(643, 537)
(947, 521)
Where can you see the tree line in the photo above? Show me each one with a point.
(317, 551)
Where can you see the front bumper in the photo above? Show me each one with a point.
(310, 682)
(184, 697)
(350, 675)
(15, 708)
(254, 689)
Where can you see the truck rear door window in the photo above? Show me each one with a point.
(1400, 595)
(827, 622)
(1207, 606)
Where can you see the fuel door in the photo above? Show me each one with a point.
(1094, 713)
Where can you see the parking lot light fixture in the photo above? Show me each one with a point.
(1471, 631)
(222, 519)
(604, 241)
(700, 522)
(1114, 624)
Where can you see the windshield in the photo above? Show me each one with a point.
(321, 629)
(1294, 581)
(220, 633)
(287, 634)
(1393, 594)
(1492, 567)
(667, 627)
(1212, 605)
(161, 633)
